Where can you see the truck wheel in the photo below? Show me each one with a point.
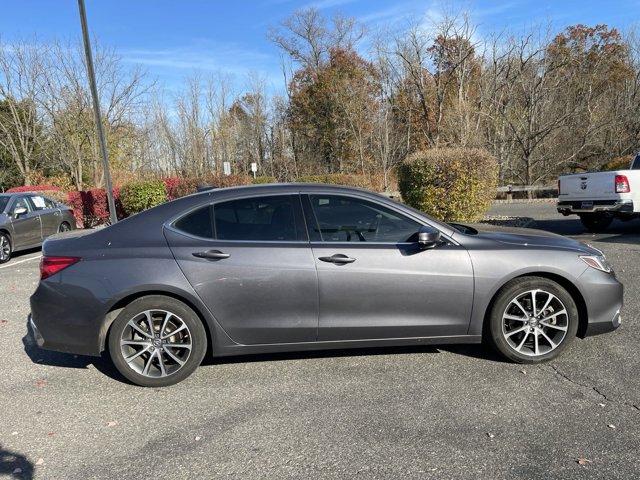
(596, 222)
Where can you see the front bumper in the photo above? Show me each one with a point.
(597, 206)
(603, 295)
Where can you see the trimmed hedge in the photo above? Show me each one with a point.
(360, 181)
(34, 188)
(449, 183)
(264, 179)
(177, 187)
(142, 195)
(91, 207)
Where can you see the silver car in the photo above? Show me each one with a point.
(27, 219)
(274, 268)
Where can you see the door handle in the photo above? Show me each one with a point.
(212, 255)
(338, 258)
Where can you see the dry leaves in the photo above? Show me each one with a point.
(40, 461)
(583, 461)
(112, 423)
(41, 383)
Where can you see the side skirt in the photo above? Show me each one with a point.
(227, 350)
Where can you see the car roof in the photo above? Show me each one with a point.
(276, 187)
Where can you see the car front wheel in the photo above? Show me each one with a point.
(157, 341)
(532, 320)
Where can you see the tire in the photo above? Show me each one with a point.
(6, 248)
(151, 362)
(503, 322)
(64, 227)
(596, 222)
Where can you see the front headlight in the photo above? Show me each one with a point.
(598, 262)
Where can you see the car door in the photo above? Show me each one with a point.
(26, 227)
(249, 261)
(49, 215)
(374, 280)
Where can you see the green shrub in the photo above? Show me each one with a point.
(449, 183)
(360, 181)
(141, 195)
(264, 179)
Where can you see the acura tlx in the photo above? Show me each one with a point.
(287, 267)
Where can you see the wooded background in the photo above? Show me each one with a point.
(355, 102)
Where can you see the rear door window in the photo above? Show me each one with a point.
(38, 202)
(266, 218)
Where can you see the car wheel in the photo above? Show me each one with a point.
(157, 341)
(532, 320)
(5, 247)
(64, 227)
(596, 222)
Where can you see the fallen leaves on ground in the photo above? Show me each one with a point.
(41, 383)
(112, 423)
(583, 461)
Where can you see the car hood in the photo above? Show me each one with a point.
(527, 237)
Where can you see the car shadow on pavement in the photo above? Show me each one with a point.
(473, 351)
(15, 465)
(68, 360)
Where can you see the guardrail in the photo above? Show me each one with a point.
(546, 190)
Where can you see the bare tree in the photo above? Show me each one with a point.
(22, 66)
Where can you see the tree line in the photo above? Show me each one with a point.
(354, 102)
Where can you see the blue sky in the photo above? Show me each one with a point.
(174, 39)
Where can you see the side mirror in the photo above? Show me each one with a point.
(428, 238)
(19, 211)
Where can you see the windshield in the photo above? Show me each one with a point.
(3, 203)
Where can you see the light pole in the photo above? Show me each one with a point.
(96, 111)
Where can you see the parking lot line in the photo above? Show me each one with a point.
(20, 261)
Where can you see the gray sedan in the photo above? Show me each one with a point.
(287, 267)
(27, 219)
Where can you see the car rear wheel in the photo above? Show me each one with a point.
(5, 248)
(532, 320)
(596, 222)
(157, 341)
(64, 227)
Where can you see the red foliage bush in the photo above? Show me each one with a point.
(179, 187)
(34, 188)
(91, 207)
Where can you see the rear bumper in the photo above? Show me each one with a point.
(58, 323)
(610, 206)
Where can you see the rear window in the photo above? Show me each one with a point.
(197, 223)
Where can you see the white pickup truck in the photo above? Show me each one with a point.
(599, 197)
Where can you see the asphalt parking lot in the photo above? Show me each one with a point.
(424, 412)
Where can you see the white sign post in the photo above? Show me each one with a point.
(254, 168)
(227, 168)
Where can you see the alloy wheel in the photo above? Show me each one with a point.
(63, 228)
(156, 343)
(5, 248)
(535, 323)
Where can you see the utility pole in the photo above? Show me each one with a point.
(96, 111)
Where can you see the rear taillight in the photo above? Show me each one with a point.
(622, 184)
(52, 265)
